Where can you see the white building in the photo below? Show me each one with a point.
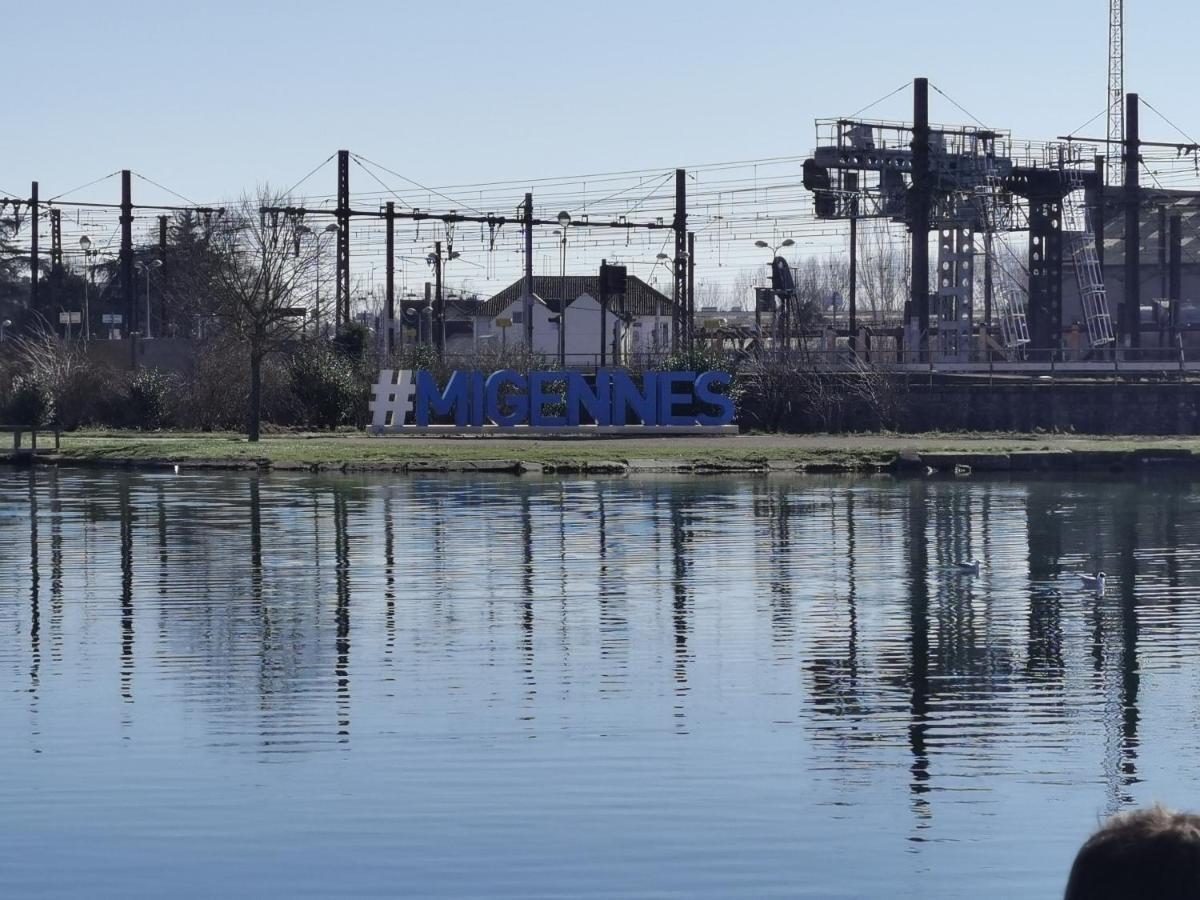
(638, 322)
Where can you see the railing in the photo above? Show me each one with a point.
(1024, 361)
(1027, 363)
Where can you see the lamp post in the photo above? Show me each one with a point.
(329, 229)
(666, 261)
(787, 242)
(438, 261)
(147, 267)
(4, 326)
(564, 221)
(85, 244)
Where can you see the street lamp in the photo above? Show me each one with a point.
(329, 229)
(564, 220)
(787, 242)
(147, 267)
(4, 326)
(438, 261)
(85, 244)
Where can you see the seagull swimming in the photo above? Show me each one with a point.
(1095, 582)
(971, 568)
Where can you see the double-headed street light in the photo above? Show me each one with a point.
(786, 242)
(331, 228)
(680, 316)
(438, 261)
(564, 221)
(147, 267)
(85, 244)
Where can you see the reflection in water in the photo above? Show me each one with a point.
(341, 550)
(125, 511)
(503, 627)
(35, 602)
(918, 617)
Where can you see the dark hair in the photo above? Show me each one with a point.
(1151, 853)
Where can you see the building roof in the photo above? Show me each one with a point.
(640, 299)
(1185, 204)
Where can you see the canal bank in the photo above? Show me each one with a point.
(751, 453)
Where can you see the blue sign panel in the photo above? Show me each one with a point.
(612, 398)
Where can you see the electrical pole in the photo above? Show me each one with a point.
(439, 307)
(690, 325)
(162, 257)
(1101, 213)
(390, 276)
(679, 295)
(126, 257)
(1133, 255)
(423, 336)
(1175, 278)
(342, 275)
(527, 286)
(853, 324)
(34, 262)
(56, 266)
(604, 311)
(919, 203)
(1164, 287)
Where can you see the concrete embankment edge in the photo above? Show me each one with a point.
(906, 462)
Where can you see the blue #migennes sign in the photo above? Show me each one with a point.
(407, 399)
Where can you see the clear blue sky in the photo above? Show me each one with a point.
(211, 98)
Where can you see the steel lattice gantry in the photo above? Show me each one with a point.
(958, 182)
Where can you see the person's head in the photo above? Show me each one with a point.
(1151, 853)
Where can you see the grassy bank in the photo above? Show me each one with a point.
(850, 452)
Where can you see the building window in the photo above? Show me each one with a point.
(518, 316)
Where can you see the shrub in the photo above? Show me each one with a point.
(326, 384)
(31, 402)
(213, 395)
(698, 359)
(149, 398)
(53, 378)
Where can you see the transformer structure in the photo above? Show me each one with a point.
(960, 183)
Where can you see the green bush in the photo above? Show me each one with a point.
(327, 385)
(148, 397)
(31, 402)
(353, 340)
(698, 359)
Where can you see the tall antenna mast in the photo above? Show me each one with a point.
(1116, 90)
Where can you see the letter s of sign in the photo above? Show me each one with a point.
(707, 398)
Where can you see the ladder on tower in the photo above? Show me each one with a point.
(1009, 297)
(1010, 308)
(1077, 228)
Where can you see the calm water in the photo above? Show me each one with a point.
(223, 685)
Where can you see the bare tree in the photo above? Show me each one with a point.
(259, 284)
(883, 275)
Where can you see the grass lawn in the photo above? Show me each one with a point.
(356, 449)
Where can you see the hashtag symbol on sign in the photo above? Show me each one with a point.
(392, 400)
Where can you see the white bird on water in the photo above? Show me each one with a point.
(1094, 582)
(971, 568)
(176, 468)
